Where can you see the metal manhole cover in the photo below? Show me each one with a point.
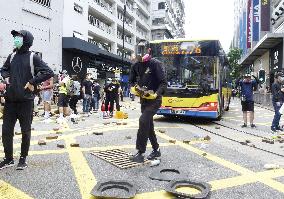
(117, 158)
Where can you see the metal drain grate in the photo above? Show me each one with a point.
(117, 158)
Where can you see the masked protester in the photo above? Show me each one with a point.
(148, 79)
(277, 100)
(247, 86)
(87, 93)
(112, 95)
(19, 97)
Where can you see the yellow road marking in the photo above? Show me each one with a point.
(83, 173)
(248, 173)
(7, 191)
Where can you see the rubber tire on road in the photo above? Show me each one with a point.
(114, 184)
(203, 187)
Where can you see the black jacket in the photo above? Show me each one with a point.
(277, 94)
(150, 74)
(19, 72)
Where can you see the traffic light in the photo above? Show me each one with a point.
(261, 75)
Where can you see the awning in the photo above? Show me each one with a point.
(269, 41)
(81, 46)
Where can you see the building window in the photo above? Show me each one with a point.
(78, 8)
(162, 6)
(45, 3)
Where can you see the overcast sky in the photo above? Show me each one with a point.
(210, 19)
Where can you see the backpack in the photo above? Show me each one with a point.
(31, 61)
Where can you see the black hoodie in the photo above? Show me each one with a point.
(19, 71)
(150, 74)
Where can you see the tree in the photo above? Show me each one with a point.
(234, 56)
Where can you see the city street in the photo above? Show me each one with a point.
(230, 158)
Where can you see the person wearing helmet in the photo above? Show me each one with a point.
(148, 80)
(19, 96)
(277, 100)
(247, 85)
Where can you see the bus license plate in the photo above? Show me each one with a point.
(178, 112)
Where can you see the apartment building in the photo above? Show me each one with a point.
(168, 19)
(43, 18)
(259, 33)
(93, 31)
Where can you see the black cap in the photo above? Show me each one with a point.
(14, 33)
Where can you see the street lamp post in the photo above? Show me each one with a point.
(123, 34)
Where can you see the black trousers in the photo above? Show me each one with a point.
(146, 125)
(110, 101)
(73, 103)
(22, 111)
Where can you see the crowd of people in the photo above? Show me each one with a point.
(28, 81)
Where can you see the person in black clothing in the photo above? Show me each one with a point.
(277, 100)
(87, 93)
(96, 95)
(149, 80)
(112, 95)
(19, 96)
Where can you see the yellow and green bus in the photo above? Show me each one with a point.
(198, 77)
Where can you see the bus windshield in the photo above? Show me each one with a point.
(188, 64)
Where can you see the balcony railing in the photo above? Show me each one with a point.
(104, 5)
(99, 24)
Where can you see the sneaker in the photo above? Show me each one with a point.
(273, 130)
(279, 128)
(154, 154)
(138, 157)
(244, 125)
(252, 126)
(22, 164)
(6, 163)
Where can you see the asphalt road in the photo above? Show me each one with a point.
(232, 169)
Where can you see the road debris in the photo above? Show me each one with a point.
(207, 138)
(51, 137)
(155, 163)
(75, 145)
(98, 133)
(61, 146)
(172, 141)
(41, 142)
(162, 131)
(186, 141)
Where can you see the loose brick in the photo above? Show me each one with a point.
(186, 141)
(41, 142)
(207, 138)
(162, 131)
(98, 133)
(60, 146)
(75, 145)
(172, 141)
(52, 137)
